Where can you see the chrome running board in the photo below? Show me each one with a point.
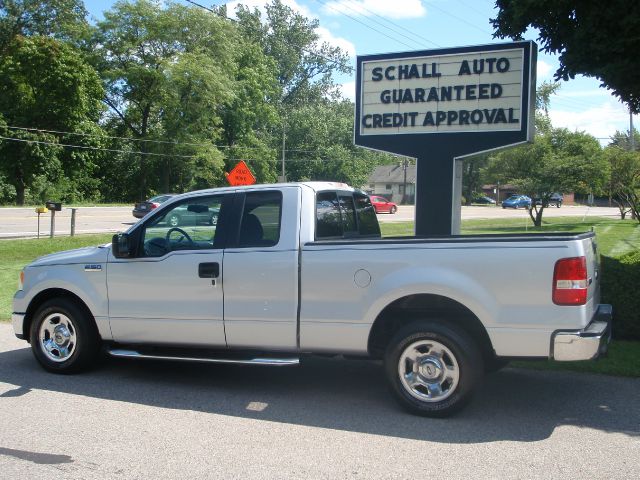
(273, 362)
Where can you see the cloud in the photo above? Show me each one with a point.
(544, 70)
(600, 121)
(384, 8)
(348, 90)
(324, 33)
(345, 45)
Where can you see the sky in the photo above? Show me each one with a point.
(363, 27)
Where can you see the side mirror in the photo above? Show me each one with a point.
(120, 245)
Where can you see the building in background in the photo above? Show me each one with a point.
(394, 182)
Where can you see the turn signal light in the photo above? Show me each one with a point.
(570, 281)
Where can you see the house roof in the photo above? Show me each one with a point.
(392, 174)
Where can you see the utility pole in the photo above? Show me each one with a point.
(405, 164)
(632, 136)
(283, 177)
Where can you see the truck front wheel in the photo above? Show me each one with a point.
(64, 338)
(432, 368)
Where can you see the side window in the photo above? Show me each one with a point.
(345, 214)
(328, 219)
(367, 220)
(260, 222)
(188, 225)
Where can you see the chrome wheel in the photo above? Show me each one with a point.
(173, 221)
(428, 371)
(57, 336)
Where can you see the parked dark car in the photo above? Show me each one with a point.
(382, 205)
(555, 200)
(192, 215)
(143, 208)
(517, 201)
(484, 200)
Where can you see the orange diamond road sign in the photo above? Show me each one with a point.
(240, 175)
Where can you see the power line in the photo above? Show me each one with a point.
(86, 147)
(394, 30)
(134, 152)
(170, 142)
(362, 23)
(395, 24)
(459, 19)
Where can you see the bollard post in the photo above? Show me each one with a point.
(53, 224)
(73, 221)
(53, 207)
(40, 211)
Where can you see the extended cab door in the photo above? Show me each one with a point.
(171, 292)
(261, 270)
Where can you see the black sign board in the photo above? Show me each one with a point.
(55, 206)
(441, 105)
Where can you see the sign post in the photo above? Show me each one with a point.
(440, 106)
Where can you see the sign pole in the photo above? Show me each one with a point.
(435, 210)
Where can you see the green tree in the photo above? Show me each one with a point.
(305, 67)
(167, 74)
(62, 19)
(622, 140)
(557, 162)
(472, 176)
(625, 180)
(590, 39)
(320, 145)
(47, 84)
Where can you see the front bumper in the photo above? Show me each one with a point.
(17, 320)
(586, 344)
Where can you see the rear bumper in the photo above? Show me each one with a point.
(586, 344)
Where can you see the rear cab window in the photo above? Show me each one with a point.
(345, 215)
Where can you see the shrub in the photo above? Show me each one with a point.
(620, 281)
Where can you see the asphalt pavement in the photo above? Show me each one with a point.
(328, 418)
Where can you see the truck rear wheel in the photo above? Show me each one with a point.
(432, 368)
(64, 338)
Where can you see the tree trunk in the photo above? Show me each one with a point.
(166, 174)
(143, 149)
(20, 187)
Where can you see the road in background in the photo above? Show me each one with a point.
(23, 222)
(326, 419)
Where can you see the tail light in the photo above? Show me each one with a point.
(570, 281)
(154, 205)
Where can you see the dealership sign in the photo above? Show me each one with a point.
(442, 105)
(461, 90)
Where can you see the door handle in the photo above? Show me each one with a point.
(209, 270)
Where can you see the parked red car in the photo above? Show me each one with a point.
(382, 205)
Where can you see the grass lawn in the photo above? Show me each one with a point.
(623, 359)
(615, 237)
(15, 254)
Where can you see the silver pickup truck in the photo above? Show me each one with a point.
(293, 269)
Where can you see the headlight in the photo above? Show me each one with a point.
(21, 280)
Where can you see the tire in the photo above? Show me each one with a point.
(64, 337)
(451, 367)
(173, 220)
(393, 210)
